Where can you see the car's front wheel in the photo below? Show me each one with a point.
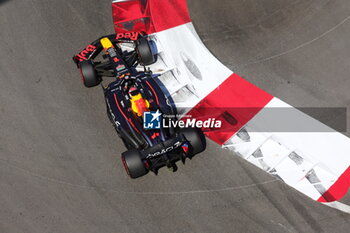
(133, 164)
(89, 74)
(145, 52)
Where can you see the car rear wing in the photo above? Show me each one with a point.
(93, 49)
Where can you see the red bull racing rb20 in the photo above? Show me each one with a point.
(136, 101)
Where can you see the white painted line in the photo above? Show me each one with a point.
(339, 206)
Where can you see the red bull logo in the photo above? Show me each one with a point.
(128, 35)
(82, 55)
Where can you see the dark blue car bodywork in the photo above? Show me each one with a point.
(158, 147)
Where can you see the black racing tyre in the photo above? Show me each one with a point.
(89, 74)
(144, 51)
(133, 164)
(196, 139)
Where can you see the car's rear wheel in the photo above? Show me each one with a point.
(196, 140)
(133, 164)
(89, 74)
(144, 51)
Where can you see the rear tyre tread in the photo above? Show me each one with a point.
(133, 164)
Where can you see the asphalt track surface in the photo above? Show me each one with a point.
(60, 169)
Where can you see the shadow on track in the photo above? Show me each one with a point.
(3, 1)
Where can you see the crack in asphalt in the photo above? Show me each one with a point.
(296, 48)
(61, 182)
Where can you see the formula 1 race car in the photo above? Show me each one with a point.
(130, 96)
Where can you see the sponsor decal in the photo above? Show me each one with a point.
(112, 52)
(165, 150)
(120, 67)
(128, 35)
(82, 55)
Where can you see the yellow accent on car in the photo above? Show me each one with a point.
(135, 104)
(106, 43)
